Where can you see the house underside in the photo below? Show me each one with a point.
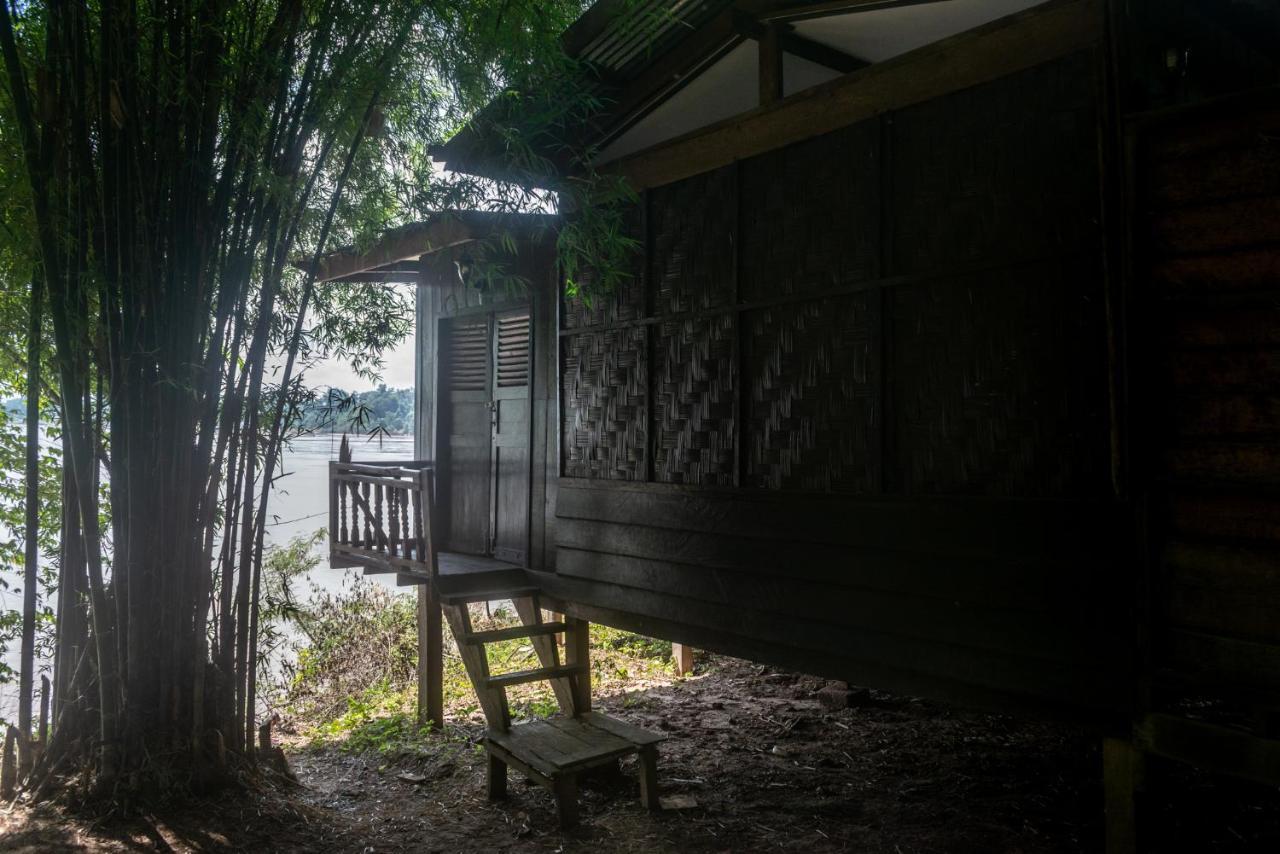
(947, 365)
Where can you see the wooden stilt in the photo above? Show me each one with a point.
(649, 778)
(497, 778)
(430, 660)
(683, 657)
(578, 651)
(1123, 767)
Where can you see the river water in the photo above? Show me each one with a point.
(299, 507)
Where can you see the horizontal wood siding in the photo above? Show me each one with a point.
(850, 413)
(1208, 189)
(1005, 596)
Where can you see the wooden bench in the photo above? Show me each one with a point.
(554, 751)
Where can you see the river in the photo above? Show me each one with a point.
(299, 507)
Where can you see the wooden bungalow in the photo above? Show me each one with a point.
(950, 366)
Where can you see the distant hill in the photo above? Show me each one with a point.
(390, 409)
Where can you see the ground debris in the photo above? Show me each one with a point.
(678, 802)
(785, 774)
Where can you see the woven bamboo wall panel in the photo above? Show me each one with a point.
(691, 227)
(813, 413)
(996, 173)
(605, 416)
(999, 384)
(626, 301)
(694, 380)
(810, 214)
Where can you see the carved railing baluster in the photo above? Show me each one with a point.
(393, 499)
(378, 539)
(364, 513)
(417, 525)
(404, 521)
(343, 535)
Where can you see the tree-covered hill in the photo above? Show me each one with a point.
(340, 411)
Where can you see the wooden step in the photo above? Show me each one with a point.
(537, 630)
(554, 751)
(520, 677)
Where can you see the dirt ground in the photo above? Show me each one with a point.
(753, 762)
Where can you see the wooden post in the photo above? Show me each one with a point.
(497, 778)
(1123, 768)
(683, 657)
(649, 778)
(578, 651)
(430, 660)
(770, 66)
(565, 788)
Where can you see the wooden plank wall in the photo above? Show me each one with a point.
(851, 414)
(1208, 210)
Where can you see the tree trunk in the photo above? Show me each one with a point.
(31, 568)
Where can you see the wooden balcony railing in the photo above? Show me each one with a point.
(380, 517)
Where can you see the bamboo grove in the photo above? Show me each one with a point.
(183, 165)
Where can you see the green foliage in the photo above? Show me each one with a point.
(388, 410)
(12, 545)
(353, 680)
(204, 156)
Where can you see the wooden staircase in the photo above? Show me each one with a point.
(555, 751)
(570, 680)
(552, 752)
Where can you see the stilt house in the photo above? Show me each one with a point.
(950, 365)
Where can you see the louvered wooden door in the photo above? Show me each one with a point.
(510, 459)
(485, 380)
(466, 417)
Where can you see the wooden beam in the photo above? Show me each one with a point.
(789, 41)
(404, 245)
(997, 49)
(819, 53)
(780, 10)
(770, 66)
(1213, 748)
(401, 249)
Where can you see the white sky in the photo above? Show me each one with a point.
(396, 373)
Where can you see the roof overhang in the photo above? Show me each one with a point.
(395, 256)
(642, 53)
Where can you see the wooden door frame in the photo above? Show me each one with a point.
(440, 413)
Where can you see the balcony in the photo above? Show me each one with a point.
(380, 518)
